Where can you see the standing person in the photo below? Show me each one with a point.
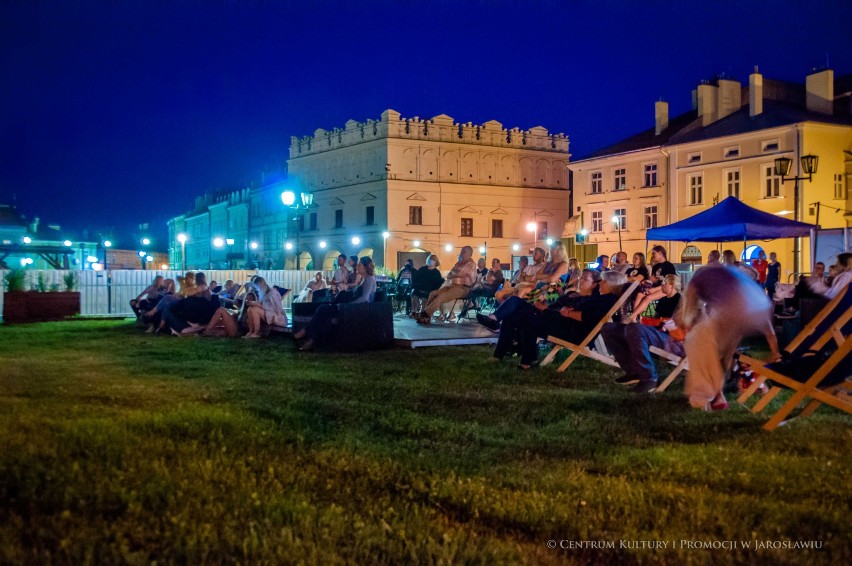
(721, 306)
(457, 286)
(426, 279)
(714, 257)
(729, 258)
(661, 266)
(760, 265)
(773, 275)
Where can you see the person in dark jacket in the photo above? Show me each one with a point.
(426, 279)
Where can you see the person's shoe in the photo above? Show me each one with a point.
(151, 329)
(718, 404)
(307, 346)
(300, 334)
(488, 322)
(644, 387)
(626, 380)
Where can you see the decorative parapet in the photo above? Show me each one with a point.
(441, 128)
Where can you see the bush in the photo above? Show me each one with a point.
(41, 283)
(70, 280)
(15, 280)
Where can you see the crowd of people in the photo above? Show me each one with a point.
(551, 295)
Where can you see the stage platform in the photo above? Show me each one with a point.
(409, 334)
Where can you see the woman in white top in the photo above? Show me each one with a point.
(267, 311)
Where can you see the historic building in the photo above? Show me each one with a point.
(726, 145)
(391, 188)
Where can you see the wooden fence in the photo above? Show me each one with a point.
(108, 293)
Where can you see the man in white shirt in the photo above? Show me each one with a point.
(340, 277)
(457, 286)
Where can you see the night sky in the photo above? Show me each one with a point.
(117, 113)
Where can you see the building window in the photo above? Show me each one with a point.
(650, 175)
(597, 221)
(621, 214)
(496, 228)
(338, 218)
(731, 152)
(769, 145)
(542, 230)
(415, 215)
(597, 183)
(732, 182)
(694, 157)
(651, 216)
(696, 188)
(771, 182)
(839, 187)
(467, 227)
(371, 215)
(313, 221)
(620, 179)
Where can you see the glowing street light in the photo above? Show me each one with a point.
(288, 198)
(516, 247)
(27, 240)
(108, 244)
(416, 243)
(288, 246)
(322, 244)
(385, 236)
(91, 259)
(67, 243)
(533, 227)
(141, 254)
(146, 242)
(549, 241)
(218, 242)
(448, 247)
(148, 259)
(356, 240)
(164, 267)
(617, 221)
(253, 245)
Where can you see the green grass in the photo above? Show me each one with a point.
(119, 447)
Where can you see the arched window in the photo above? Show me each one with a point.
(691, 254)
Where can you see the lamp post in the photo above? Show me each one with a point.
(142, 255)
(305, 202)
(617, 221)
(182, 238)
(782, 168)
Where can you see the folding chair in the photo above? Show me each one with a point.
(680, 364)
(582, 349)
(833, 323)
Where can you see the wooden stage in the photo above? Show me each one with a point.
(409, 334)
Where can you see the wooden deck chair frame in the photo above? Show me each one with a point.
(582, 349)
(810, 387)
(680, 364)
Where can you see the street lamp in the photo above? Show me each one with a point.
(182, 238)
(146, 241)
(416, 243)
(533, 227)
(27, 240)
(356, 241)
(142, 255)
(230, 242)
(305, 201)
(782, 168)
(617, 221)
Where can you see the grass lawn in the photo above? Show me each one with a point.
(120, 447)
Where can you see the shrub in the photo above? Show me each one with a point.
(70, 280)
(15, 280)
(41, 283)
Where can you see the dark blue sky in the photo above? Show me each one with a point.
(117, 113)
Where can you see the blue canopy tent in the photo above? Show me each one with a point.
(730, 221)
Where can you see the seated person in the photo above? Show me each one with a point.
(426, 279)
(187, 289)
(457, 286)
(340, 277)
(153, 321)
(666, 303)
(223, 323)
(493, 280)
(629, 343)
(842, 277)
(527, 279)
(195, 310)
(316, 284)
(266, 312)
(651, 287)
(320, 327)
(148, 299)
(523, 263)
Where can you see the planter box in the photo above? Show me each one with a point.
(32, 306)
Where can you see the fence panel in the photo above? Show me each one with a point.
(108, 293)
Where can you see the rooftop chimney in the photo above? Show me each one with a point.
(755, 93)
(707, 103)
(661, 116)
(729, 98)
(820, 92)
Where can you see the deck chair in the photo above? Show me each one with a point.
(582, 349)
(680, 365)
(832, 324)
